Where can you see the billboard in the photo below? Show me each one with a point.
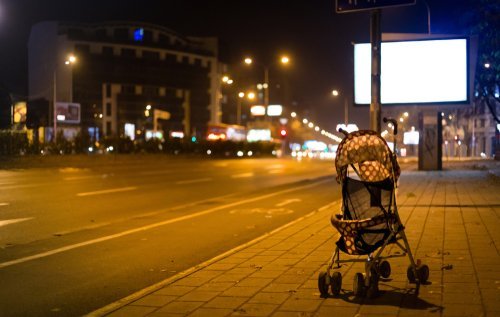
(415, 72)
(360, 5)
(67, 112)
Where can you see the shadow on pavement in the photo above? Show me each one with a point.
(398, 297)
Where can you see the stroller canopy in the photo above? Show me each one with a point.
(369, 154)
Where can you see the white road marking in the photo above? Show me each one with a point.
(156, 172)
(154, 225)
(23, 186)
(107, 191)
(276, 171)
(275, 166)
(74, 178)
(4, 204)
(11, 221)
(244, 175)
(288, 201)
(192, 181)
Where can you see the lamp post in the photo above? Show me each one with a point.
(336, 93)
(70, 61)
(284, 60)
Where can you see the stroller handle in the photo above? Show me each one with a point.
(394, 123)
(344, 132)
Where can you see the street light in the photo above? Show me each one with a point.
(69, 61)
(284, 60)
(336, 93)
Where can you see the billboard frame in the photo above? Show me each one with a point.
(431, 103)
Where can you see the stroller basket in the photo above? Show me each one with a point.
(369, 219)
(367, 212)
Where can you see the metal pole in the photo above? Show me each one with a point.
(375, 39)
(346, 119)
(428, 17)
(54, 135)
(266, 90)
(238, 111)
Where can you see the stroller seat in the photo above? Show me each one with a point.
(351, 233)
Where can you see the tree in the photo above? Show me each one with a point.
(484, 22)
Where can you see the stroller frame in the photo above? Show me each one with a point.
(376, 265)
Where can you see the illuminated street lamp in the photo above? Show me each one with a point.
(69, 61)
(251, 95)
(283, 60)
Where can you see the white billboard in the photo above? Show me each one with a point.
(423, 71)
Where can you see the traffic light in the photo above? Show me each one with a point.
(283, 133)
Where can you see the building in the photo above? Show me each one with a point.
(120, 69)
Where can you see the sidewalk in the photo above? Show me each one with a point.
(452, 220)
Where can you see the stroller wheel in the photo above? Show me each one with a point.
(423, 273)
(372, 290)
(384, 269)
(323, 284)
(358, 285)
(410, 274)
(336, 283)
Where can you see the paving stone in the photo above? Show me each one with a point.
(241, 291)
(330, 311)
(132, 311)
(216, 286)
(174, 290)
(269, 298)
(154, 300)
(210, 312)
(177, 307)
(198, 296)
(226, 302)
(281, 288)
(255, 310)
(300, 305)
(378, 310)
(463, 310)
(255, 281)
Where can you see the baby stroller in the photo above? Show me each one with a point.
(369, 219)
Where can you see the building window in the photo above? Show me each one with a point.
(108, 128)
(82, 48)
(108, 109)
(197, 62)
(148, 36)
(101, 34)
(163, 39)
(108, 90)
(185, 60)
(151, 55)
(170, 58)
(107, 50)
(128, 52)
(128, 89)
(151, 91)
(121, 34)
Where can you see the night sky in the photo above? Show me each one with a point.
(317, 39)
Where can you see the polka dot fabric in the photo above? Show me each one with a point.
(370, 153)
(349, 229)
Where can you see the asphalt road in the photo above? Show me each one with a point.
(76, 238)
